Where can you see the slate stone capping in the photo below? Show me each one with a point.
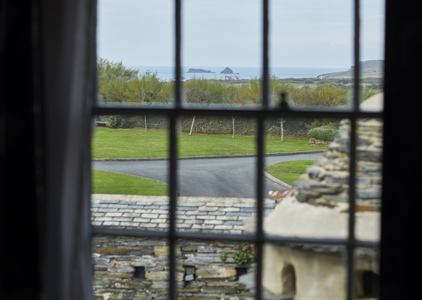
(198, 213)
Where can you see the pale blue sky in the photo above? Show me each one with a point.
(303, 33)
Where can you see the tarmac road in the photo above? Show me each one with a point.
(206, 177)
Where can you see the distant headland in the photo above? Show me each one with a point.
(191, 70)
(368, 69)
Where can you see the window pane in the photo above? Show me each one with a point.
(135, 50)
(367, 285)
(130, 268)
(310, 272)
(216, 269)
(372, 52)
(222, 52)
(130, 172)
(311, 48)
(369, 179)
(309, 177)
(216, 173)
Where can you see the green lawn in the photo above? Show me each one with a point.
(136, 143)
(104, 182)
(289, 171)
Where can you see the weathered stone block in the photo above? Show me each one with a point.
(227, 274)
(213, 222)
(113, 214)
(207, 208)
(189, 248)
(337, 177)
(121, 269)
(315, 172)
(230, 209)
(373, 155)
(368, 194)
(218, 290)
(206, 249)
(111, 275)
(166, 285)
(163, 276)
(184, 208)
(164, 251)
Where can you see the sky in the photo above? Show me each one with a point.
(303, 33)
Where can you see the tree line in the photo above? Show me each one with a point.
(118, 83)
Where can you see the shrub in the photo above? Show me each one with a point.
(245, 254)
(325, 133)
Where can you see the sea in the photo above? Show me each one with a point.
(167, 73)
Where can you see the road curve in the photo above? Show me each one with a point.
(207, 177)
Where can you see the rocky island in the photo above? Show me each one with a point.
(191, 70)
(227, 70)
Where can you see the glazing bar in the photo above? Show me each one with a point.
(265, 68)
(267, 238)
(259, 207)
(352, 210)
(114, 110)
(172, 207)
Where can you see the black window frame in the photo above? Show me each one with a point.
(259, 238)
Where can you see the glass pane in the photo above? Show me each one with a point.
(372, 54)
(222, 52)
(130, 268)
(135, 50)
(129, 172)
(298, 272)
(216, 269)
(311, 51)
(369, 179)
(308, 173)
(367, 284)
(216, 173)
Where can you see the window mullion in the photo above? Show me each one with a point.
(265, 50)
(352, 157)
(173, 154)
(172, 207)
(352, 209)
(259, 205)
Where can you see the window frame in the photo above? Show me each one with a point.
(259, 238)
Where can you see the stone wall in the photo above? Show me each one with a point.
(137, 268)
(326, 182)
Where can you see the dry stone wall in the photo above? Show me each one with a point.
(327, 181)
(137, 268)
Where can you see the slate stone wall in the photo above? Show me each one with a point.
(327, 181)
(137, 268)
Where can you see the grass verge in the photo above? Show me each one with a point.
(105, 182)
(289, 171)
(136, 143)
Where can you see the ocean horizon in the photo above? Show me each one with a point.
(166, 73)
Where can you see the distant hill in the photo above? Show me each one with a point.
(368, 68)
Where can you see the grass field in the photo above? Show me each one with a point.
(289, 171)
(136, 143)
(104, 182)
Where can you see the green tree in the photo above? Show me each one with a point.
(113, 81)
